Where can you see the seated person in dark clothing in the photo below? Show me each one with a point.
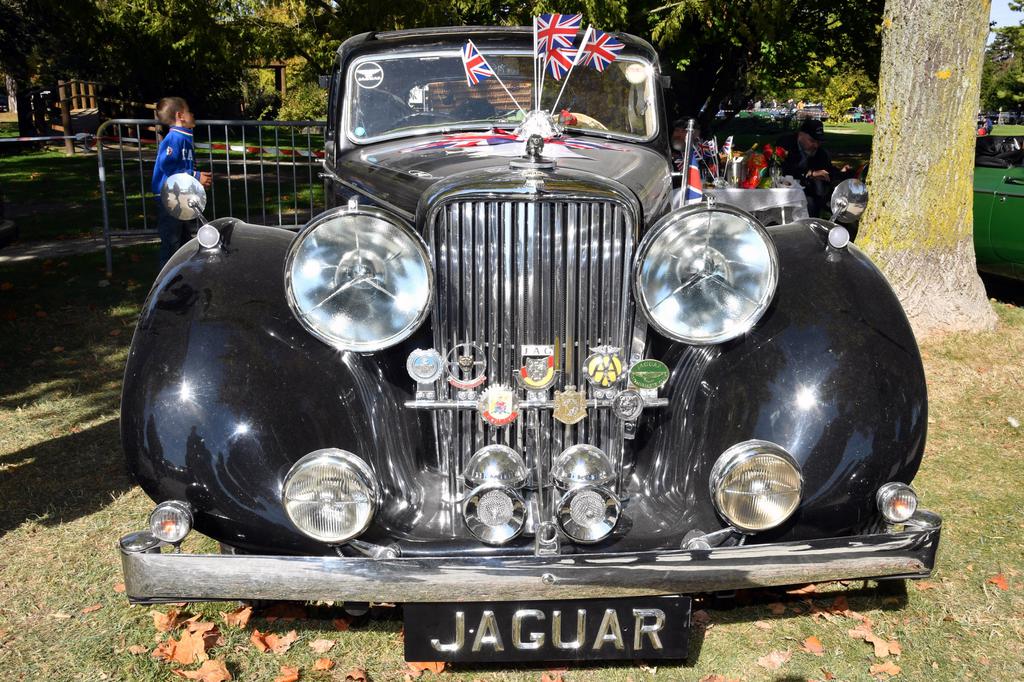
(809, 163)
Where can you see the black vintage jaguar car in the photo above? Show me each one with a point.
(503, 383)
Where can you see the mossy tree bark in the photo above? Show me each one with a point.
(919, 220)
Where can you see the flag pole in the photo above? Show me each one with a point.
(537, 80)
(575, 60)
(497, 77)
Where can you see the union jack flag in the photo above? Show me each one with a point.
(556, 31)
(709, 150)
(601, 50)
(559, 62)
(477, 68)
(694, 184)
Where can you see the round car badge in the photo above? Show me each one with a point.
(424, 366)
(499, 405)
(628, 405)
(603, 367)
(467, 366)
(537, 372)
(649, 374)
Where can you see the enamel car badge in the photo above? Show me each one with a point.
(537, 373)
(467, 366)
(499, 405)
(628, 405)
(424, 366)
(649, 374)
(570, 406)
(603, 367)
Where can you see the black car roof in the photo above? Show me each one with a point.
(485, 37)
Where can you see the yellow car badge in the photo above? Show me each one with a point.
(499, 405)
(570, 406)
(537, 373)
(603, 367)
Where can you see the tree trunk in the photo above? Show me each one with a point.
(919, 220)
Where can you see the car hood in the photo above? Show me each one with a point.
(398, 173)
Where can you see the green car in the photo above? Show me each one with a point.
(999, 206)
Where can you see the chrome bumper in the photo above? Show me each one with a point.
(161, 577)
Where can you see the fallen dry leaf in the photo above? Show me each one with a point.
(777, 608)
(341, 624)
(882, 646)
(762, 625)
(323, 664)
(210, 671)
(715, 677)
(356, 675)
(812, 645)
(999, 580)
(137, 649)
(321, 646)
(119, 588)
(238, 618)
(97, 607)
(114, 332)
(551, 676)
(258, 641)
(270, 642)
(806, 589)
(419, 667)
(887, 668)
(164, 622)
(775, 659)
(190, 648)
(700, 617)
(60, 349)
(288, 675)
(6, 286)
(922, 585)
(283, 610)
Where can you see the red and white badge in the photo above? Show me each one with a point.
(499, 405)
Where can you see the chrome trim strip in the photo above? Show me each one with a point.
(592, 403)
(909, 553)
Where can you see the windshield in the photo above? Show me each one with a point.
(401, 94)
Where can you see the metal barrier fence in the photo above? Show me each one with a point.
(263, 171)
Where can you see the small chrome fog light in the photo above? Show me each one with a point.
(171, 521)
(331, 495)
(494, 513)
(588, 513)
(756, 485)
(208, 236)
(582, 464)
(496, 464)
(896, 501)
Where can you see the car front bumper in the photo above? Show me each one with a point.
(163, 577)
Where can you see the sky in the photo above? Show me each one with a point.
(1002, 15)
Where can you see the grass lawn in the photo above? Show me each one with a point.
(66, 500)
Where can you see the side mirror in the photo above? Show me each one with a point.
(183, 197)
(849, 200)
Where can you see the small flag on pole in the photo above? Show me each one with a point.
(601, 50)
(709, 150)
(477, 68)
(727, 147)
(694, 185)
(560, 61)
(556, 31)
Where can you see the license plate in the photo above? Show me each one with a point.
(646, 628)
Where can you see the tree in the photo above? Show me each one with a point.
(918, 223)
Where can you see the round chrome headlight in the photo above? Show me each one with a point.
(330, 495)
(171, 521)
(582, 464)
(756, 485)
(705, 275)
(588, 513)
(896, 501)
(494, 513)
(359, 279)
(496, 464)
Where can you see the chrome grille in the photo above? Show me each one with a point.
(512, 273)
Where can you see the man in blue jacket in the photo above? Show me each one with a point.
(175, 155)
